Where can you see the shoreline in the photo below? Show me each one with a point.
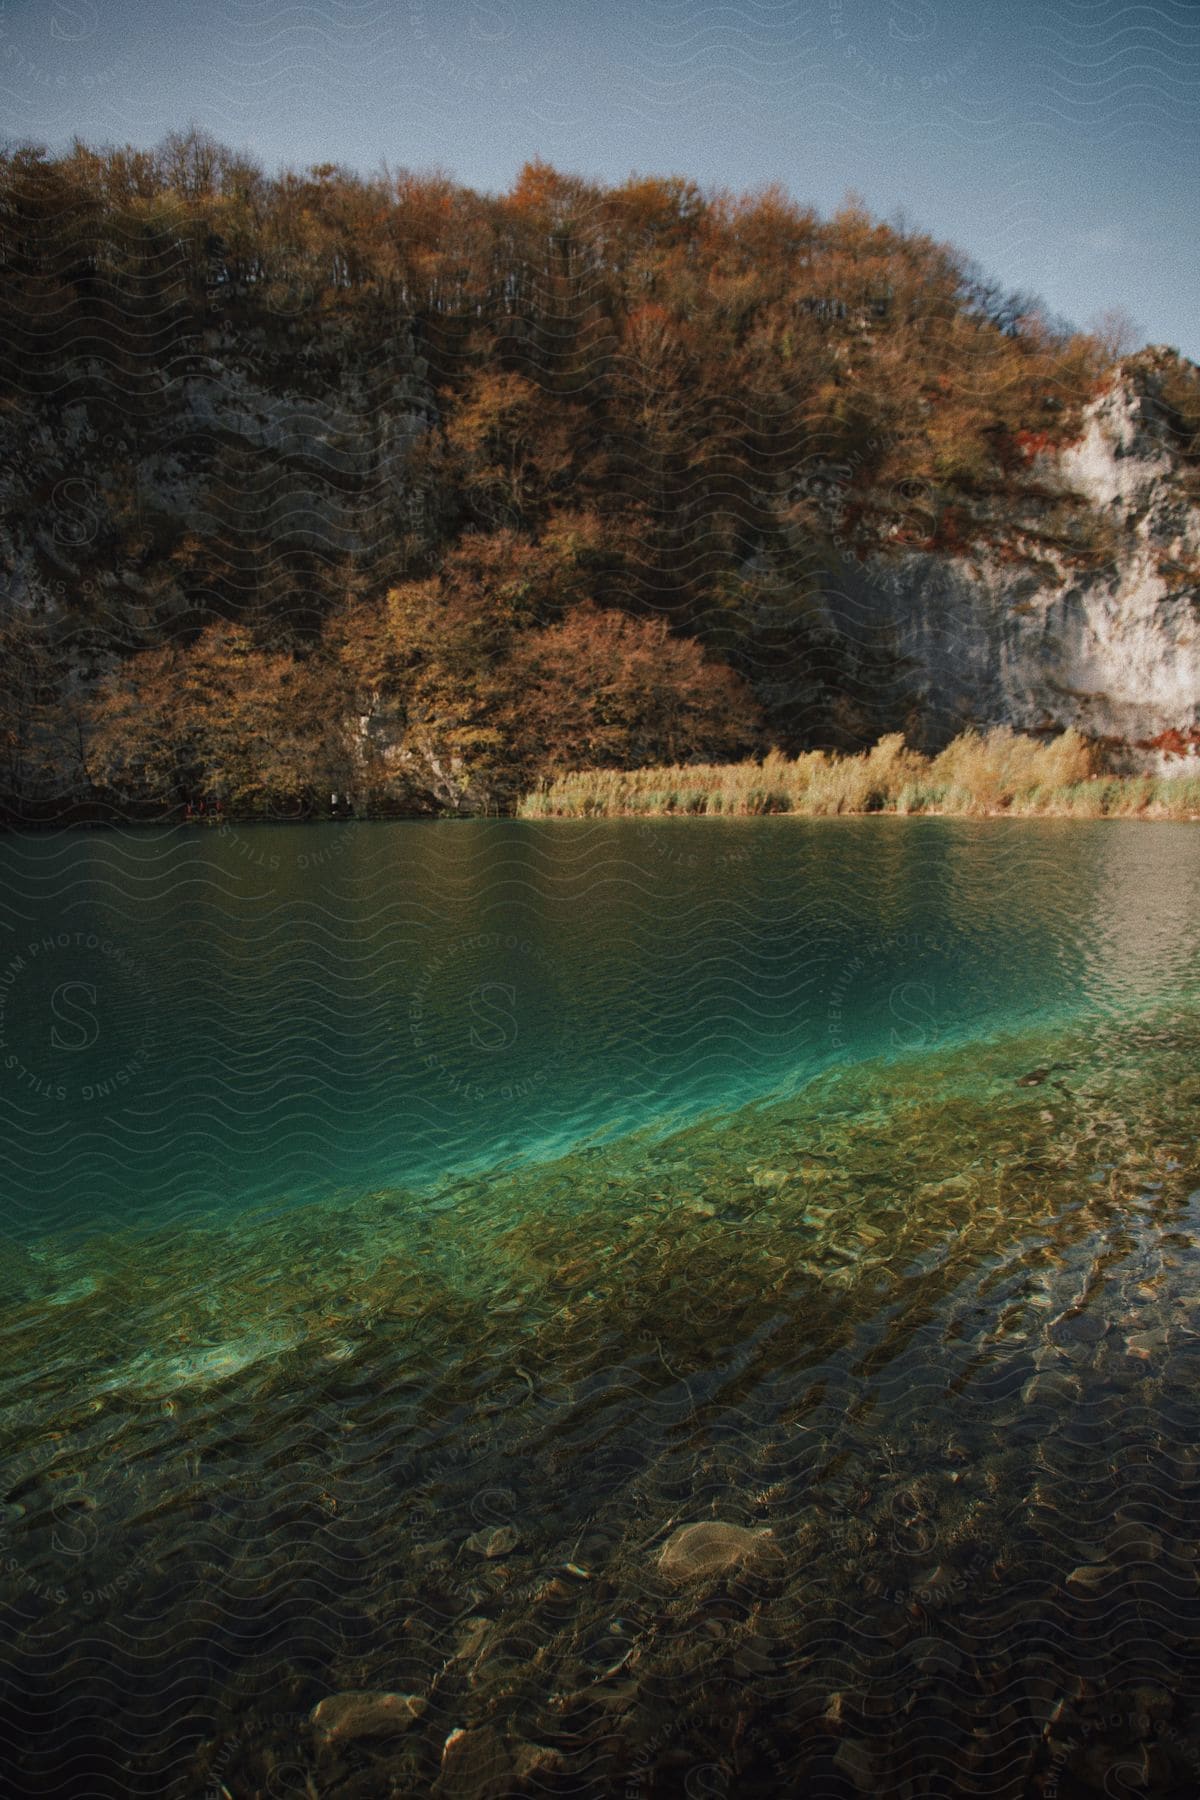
(1146, 817)
(999, 774)
(1149, 815)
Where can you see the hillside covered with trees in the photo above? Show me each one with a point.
(320, 482)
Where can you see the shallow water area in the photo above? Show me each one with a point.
(916, 1340)
(935, 1332)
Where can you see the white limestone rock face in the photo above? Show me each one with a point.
(1113, 651)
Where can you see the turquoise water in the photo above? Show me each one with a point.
(703, 1308)
(205, 1021)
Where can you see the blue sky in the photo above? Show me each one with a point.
(1056, 143)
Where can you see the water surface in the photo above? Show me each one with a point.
(216, 1019)
(412, 1228)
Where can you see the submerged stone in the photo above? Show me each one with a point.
(340, 1718)
(1131, 1541)
(476, 1765)
(1089, 1578)
(855, 1760)
(1145, 1346)
(712, 1546)
(1052, 1386)
(474, 1631)
(538, 1759)
(154, 1374)
(497, 1542)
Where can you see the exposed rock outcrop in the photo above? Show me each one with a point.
(1001, 635)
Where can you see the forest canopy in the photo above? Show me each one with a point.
(321, 480)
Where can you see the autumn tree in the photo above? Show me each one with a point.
(603, 690)
(508, 449)
(222, 718)
(427, 669)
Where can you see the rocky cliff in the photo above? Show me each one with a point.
(294, 479)
(1022, 635)
(366, 437)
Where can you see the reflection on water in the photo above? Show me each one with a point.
(1148, 921)
(256, 1017)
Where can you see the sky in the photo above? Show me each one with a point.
(1057, 142)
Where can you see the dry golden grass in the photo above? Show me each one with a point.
(1000, 772)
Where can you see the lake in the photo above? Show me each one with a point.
(698, 1306)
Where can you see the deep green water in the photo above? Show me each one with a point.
(373, 1190)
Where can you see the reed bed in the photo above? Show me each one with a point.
(980, 774)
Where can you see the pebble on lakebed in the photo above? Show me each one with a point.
(497, 1542)
(712, 1546)
(340, 1718)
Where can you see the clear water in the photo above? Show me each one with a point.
(412, 1229)
(206, 1021)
